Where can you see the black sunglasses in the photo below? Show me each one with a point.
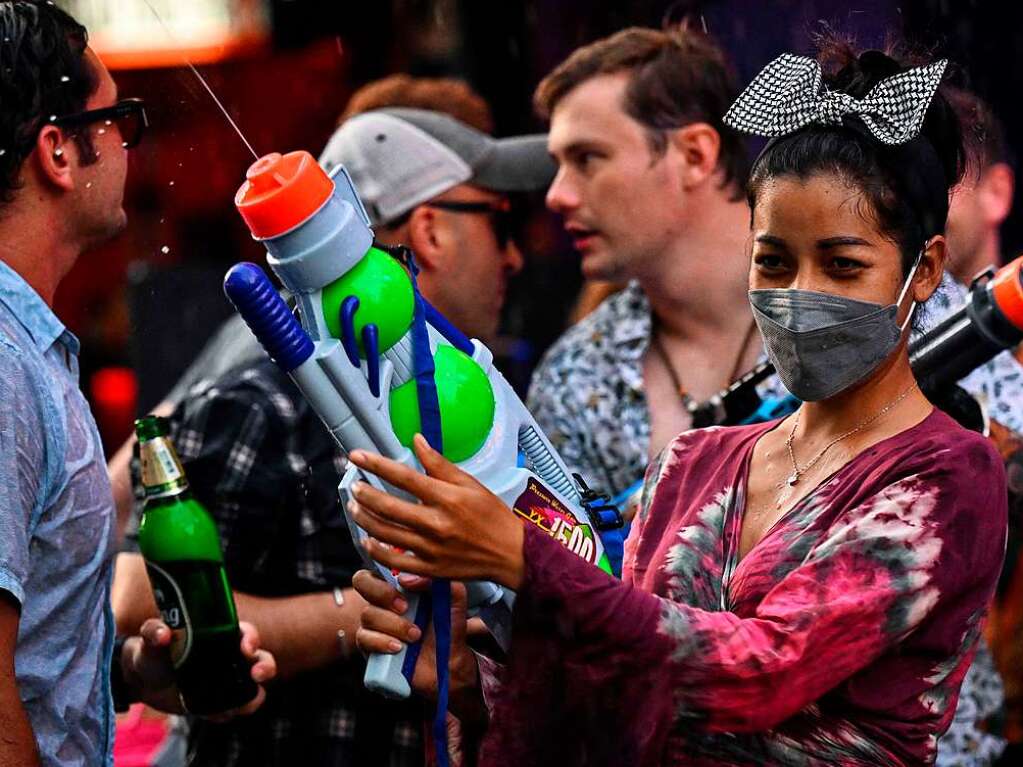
(128, 114)
(500, 215)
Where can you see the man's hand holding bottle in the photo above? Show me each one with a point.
(148, 672)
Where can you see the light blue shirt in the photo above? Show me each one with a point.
(57, 532)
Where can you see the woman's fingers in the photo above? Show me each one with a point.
(385, 531)
(425, 488)
(436, 465)
(398, 560)
(378, 592)
(370, 642)
(413, 582)
(390, 507)
(385, 622)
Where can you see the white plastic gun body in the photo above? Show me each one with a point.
(363, 338)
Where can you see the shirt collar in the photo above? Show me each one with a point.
(31, 311)
(631, 328)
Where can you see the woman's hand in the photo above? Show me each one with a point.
(382, 629)
(146, 666)
(461, 530)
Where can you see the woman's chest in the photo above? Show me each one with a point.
(695, 557)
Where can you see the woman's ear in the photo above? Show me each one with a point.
(930, 270)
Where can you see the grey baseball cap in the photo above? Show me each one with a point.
(400, 158)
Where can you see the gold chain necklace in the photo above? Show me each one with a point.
(798, 471)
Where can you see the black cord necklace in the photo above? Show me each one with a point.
(687, 400)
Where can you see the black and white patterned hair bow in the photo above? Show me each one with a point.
(789, 94)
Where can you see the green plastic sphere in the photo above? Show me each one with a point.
(466, 401)
(385, 298)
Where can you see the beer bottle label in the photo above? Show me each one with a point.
(173, 611)
(160, 466)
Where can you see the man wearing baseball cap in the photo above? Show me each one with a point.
(260, 460)
(439, 186)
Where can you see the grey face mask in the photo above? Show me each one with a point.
(821, 344)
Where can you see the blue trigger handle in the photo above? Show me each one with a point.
(268, 316)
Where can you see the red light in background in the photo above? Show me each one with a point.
(114, 395)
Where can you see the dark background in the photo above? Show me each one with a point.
(149, 300)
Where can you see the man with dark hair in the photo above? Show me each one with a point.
(650, 184)
(64, 138)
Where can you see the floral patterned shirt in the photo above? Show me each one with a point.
(840, 638)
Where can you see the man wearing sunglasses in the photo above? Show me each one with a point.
(64, 138)
(440, 187)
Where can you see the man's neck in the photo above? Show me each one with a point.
(698, 288)
(33, 247)
(989, 254)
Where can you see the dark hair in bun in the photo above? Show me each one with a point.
(885, 174)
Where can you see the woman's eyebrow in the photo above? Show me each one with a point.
(834, 242)
(770, 239)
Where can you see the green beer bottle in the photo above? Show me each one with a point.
(179, 541)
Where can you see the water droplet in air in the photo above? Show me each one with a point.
(65, 79)
(108, 123)
(101, 131)
(165, 249)
(52, 118)
(3, 152)
(88, 185)
(172, 183)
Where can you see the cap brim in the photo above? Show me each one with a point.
(517, 164)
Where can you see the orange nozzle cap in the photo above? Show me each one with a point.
(281, 192)
(1007, 291)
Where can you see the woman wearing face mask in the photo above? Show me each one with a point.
(808, 591)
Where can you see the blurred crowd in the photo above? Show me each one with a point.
(652, 187)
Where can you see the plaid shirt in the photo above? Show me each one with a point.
(267, 470)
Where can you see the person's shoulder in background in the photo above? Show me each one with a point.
(588, 349)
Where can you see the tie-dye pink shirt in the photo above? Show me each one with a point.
(841, 638)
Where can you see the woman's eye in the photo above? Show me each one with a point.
(768, 262)
(845, 264)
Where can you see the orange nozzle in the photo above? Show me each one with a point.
(281, 192)
(1007, 290)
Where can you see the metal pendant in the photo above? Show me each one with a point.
(793, 479)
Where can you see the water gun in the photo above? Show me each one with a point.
(378, 364)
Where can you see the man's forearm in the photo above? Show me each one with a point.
(302, 631)
(131, 596)
(17, 741)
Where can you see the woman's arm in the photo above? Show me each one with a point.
(879, 573)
